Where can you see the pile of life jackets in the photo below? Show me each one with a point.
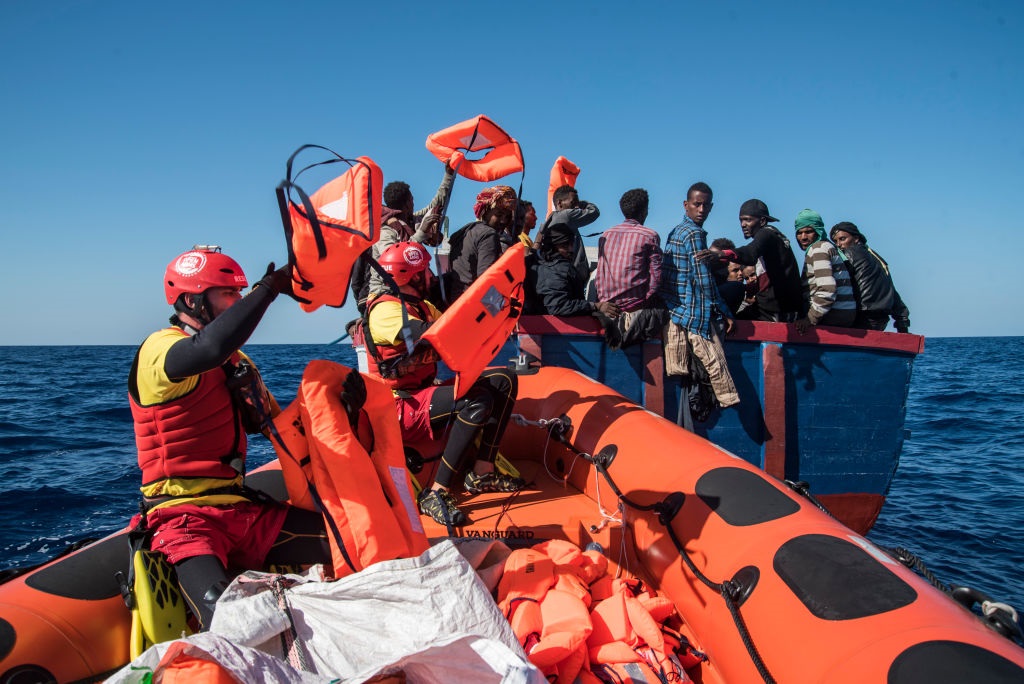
(578, 623)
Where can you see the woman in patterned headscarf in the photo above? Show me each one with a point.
(475, 246)
(499, 199)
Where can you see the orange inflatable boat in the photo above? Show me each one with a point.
(760, 583)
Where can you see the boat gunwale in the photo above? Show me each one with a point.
(747, 331)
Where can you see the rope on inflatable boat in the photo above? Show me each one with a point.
(1002, 617)
(804, 489)
(733, 592)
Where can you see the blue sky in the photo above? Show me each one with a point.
(131, 130)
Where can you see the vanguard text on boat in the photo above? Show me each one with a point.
(761, 578)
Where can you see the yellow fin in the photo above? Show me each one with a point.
(159, 614)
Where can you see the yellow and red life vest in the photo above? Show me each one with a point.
(365, 495)
(503, 156)
(196, 435)
(417, 372)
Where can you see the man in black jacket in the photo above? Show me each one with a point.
(554, 285)
(877, 298)
(781, 297)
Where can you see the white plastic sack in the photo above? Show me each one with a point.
(246, 664)
(430, 616)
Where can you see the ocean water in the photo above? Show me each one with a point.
(68, 470)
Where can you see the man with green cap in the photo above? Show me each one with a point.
(828, 292)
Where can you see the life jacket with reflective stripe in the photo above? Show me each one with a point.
(197, 435)
(503, 156)
(328, 230)
(416, 373)
(471, 332)
(365, 495)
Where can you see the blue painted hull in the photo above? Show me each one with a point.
(826, 408)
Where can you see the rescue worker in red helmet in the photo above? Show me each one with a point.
(193, 397)
(426, 409)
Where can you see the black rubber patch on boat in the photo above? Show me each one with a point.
(839, 580)
(270, 482)
(743, 498)
(7, 638)
(952, 661)
(87, 575)
(30, 674)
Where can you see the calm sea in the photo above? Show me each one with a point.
(67, 453)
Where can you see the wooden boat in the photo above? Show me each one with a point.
(768, 586)
(826, 408)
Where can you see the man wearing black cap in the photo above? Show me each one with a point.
(779, 296)
(877, 298)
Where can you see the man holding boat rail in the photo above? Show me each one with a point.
(828, 290)
(193, 398)
(877, 298)
(629, 271)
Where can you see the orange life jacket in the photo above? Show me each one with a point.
(366, 497)
(564, 172)
(473, 329)
(328, 230)
(503, 156)
(544, 593)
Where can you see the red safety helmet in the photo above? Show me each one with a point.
(403, 260)
(200, 269)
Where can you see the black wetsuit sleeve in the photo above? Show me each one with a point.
(210, 347)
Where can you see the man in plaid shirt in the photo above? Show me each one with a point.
(693, 300)
(629, 257)
(629, 271)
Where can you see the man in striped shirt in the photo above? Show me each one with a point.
(828, 290)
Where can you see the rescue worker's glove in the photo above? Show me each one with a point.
(902, 326)
(353, 395)
(278, 280)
